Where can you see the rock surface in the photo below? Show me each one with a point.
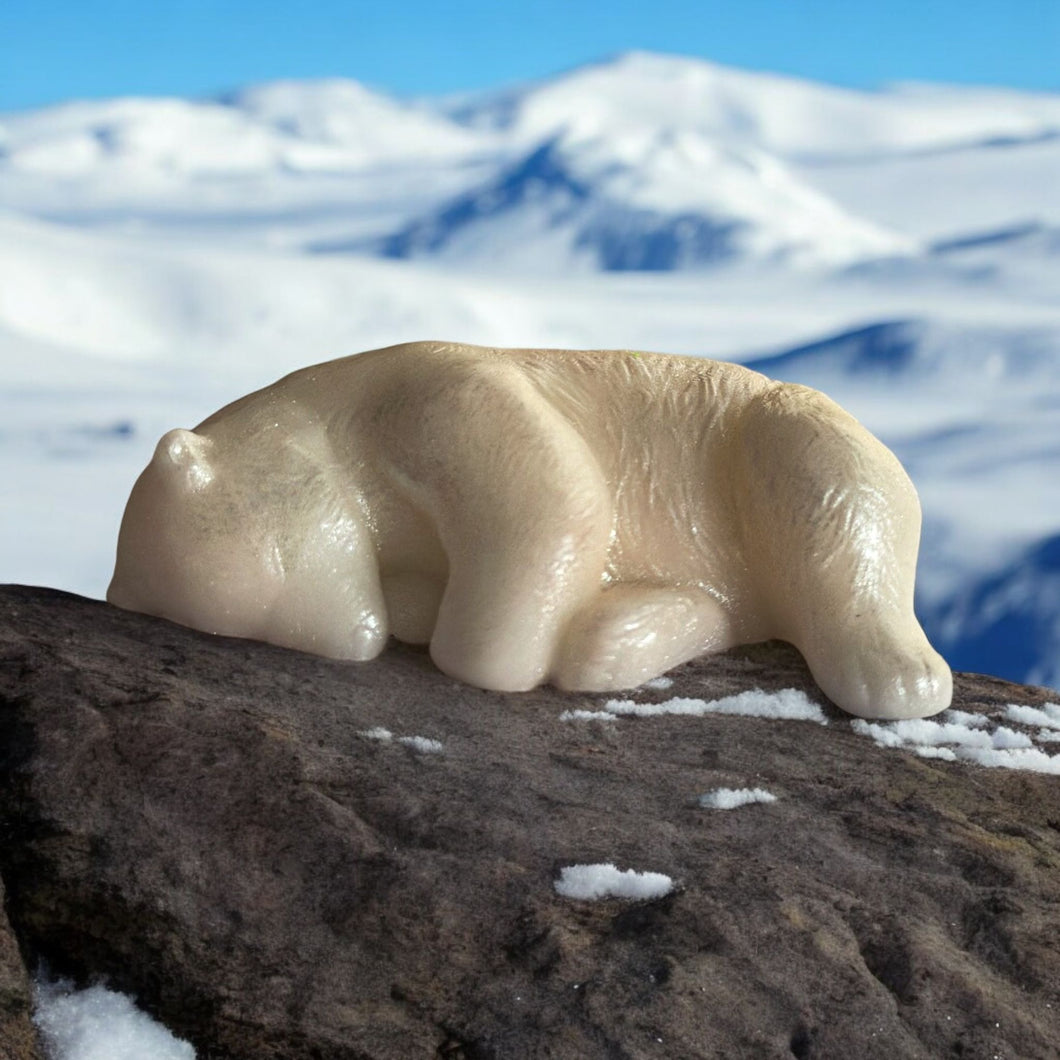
(18, 1038)
(204, 824)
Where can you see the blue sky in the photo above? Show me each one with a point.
(50, 51)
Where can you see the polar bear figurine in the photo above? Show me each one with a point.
(586, 518)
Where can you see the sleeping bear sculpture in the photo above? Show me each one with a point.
(585, 518)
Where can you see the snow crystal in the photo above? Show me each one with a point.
(730, 798)
(605, 881)
(99, 1024)
(587, 715)
(787, 704)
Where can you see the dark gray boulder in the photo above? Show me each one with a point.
(202, 823)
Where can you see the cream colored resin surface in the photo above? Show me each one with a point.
(591, 519)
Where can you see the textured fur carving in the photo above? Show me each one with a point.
(586, 518)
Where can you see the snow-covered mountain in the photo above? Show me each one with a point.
(273, 165)
(680, 163)
(785, 116)
(899, 249)
(295, 127)
(642, 200)
(639, 162)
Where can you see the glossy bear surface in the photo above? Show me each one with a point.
(587, 518)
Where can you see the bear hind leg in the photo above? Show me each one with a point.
(629, 634)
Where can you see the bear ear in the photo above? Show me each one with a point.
(186, 453)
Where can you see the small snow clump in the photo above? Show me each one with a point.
(587, 715)
(730, 798)
(418, 743)
(787, 704)
(590, 882)
(99, 1024)
(378, 733)
(422, 744)
(962, 736)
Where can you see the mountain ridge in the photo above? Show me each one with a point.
(742, 162)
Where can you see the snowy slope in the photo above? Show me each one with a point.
(922, 354)
(227, 313)
(989, 187)
(275, 164)
(644, 199)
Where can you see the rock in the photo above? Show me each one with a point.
(18, 1038)
(204, 824)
